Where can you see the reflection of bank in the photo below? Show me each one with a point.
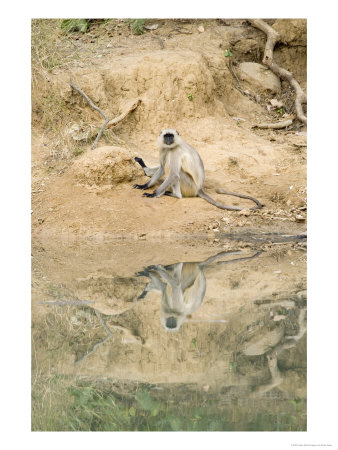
(182, 286)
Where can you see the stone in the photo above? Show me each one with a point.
(259, 77)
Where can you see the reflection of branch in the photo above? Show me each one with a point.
(276, 377)
(109, 335)
(302, 326)
(132, 338)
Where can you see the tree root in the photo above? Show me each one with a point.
(272, 38)
(108, 122)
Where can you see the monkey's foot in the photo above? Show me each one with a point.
(140, 161)
(149, 195)
(140, 186)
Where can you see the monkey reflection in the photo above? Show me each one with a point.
(182, 286)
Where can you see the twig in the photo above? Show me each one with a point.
(180, 30)
(109, 335)
(277, 125)
(272, 38)
(118, 119)
(231, 70)
(159, 40)
(96, 109)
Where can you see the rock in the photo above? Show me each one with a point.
(151, 27)
(259, 77)
(226, 220)
(300, 218)
(262, 344)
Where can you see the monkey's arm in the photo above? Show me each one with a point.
(157, 175)
(149, 171)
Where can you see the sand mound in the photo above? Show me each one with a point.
(106, 166)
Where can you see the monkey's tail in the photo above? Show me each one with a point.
(206, 197)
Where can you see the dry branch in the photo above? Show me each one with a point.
(272, 38)
(119, 118)
(276, 125)
(108, 122)
(96, 109)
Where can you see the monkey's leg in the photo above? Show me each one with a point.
(157, 175)
(172, 179)
(174, 190)
(149, 171)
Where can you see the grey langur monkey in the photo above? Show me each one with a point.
(184, 172)
(182, 286)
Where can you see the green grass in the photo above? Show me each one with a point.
(85, 408)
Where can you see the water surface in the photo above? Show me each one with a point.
(142, 336)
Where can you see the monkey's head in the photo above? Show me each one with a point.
(168, 138)
(172, 321)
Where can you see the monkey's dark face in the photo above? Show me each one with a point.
(168, 138)
(171, 322)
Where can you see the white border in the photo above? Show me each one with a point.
(322, 267)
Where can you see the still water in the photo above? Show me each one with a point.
(163, 337)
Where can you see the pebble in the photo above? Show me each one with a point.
(226, 220)
(245, 212)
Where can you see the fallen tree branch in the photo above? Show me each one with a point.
(119, 118)
(272, 38)
(108, 122)
(276, 125)
(96, 109)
